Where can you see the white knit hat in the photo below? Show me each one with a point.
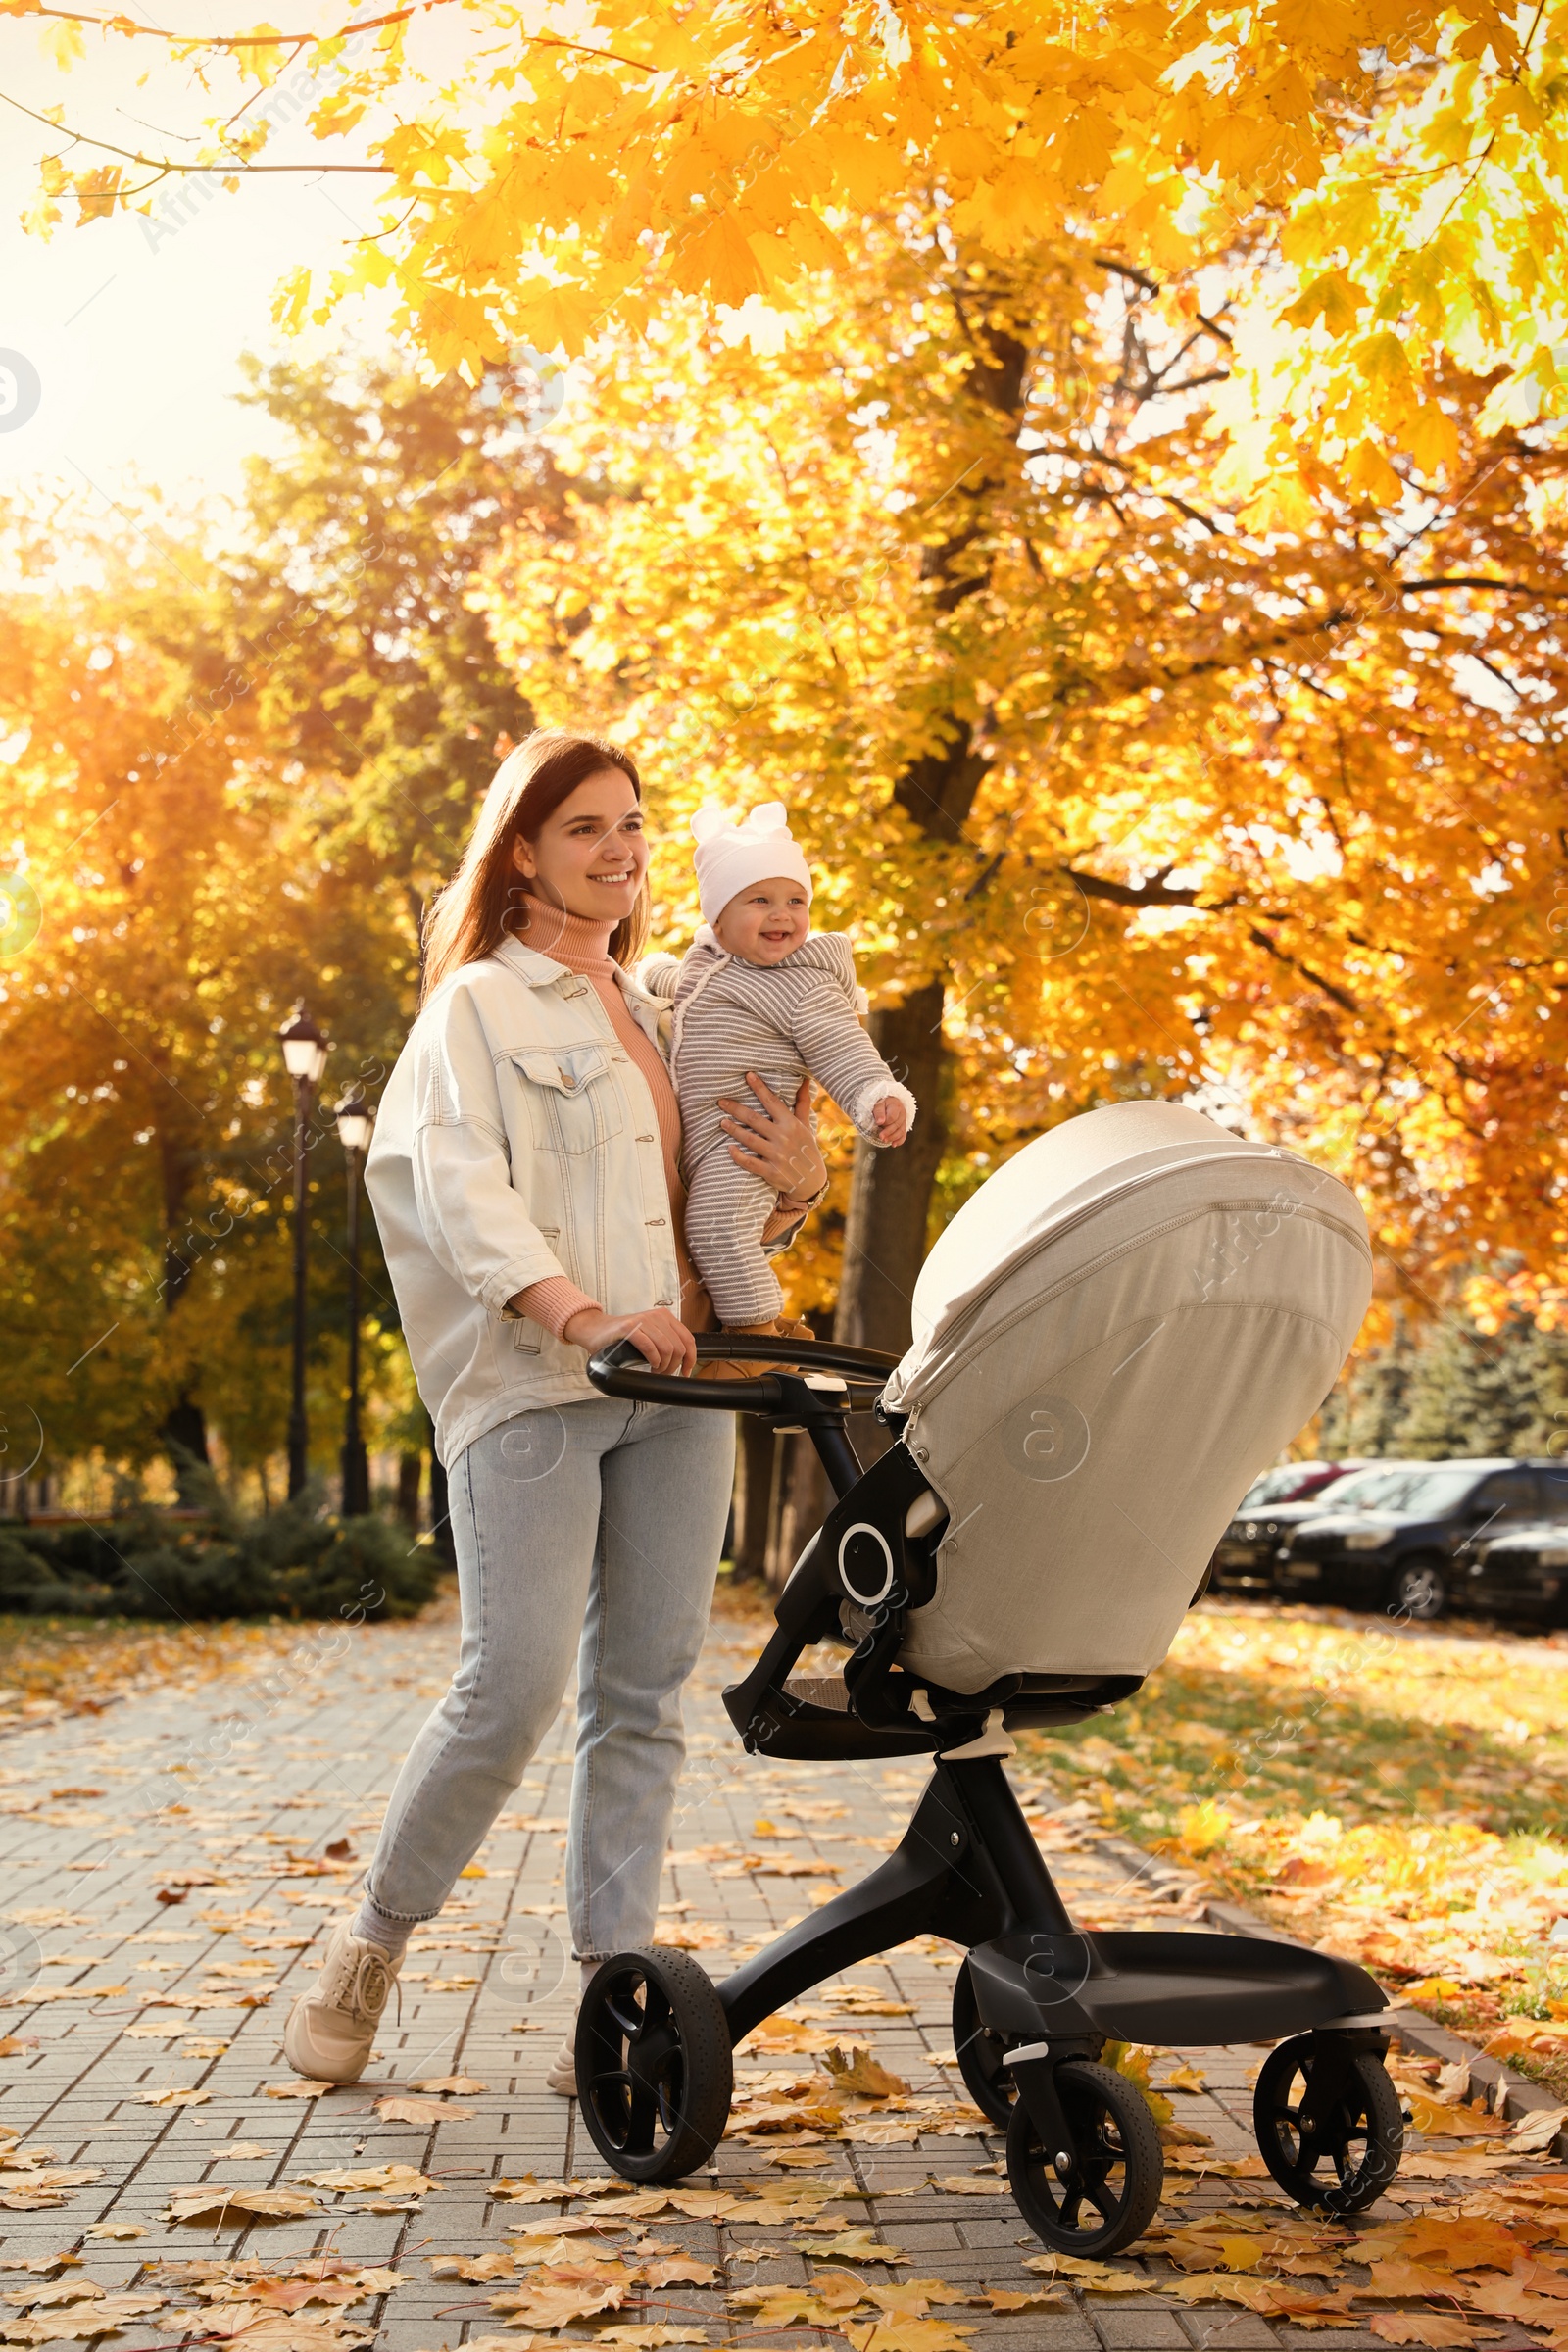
(734, 852)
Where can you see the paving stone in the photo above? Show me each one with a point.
(1146, 2327)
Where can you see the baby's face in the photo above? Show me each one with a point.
(767, 922)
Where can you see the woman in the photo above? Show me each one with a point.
(524, 1179)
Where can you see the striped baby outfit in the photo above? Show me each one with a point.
(786, 1021)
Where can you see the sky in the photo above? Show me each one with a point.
(120, 342)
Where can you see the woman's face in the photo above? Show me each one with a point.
(591, 856)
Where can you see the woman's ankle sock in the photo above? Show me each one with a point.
(375, 1926)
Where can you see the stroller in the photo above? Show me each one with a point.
(1113, 1335)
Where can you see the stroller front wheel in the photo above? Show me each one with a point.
(982, 2055)
(1328, 2122)
(655, 2068)
(1102, 2192)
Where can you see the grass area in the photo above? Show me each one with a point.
(1396, 1798)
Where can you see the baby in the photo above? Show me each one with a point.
(760, 990)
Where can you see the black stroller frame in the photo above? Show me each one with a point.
(1036, 1999)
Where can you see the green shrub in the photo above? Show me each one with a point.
(297, 1561)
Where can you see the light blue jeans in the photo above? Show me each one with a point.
(590, 1532)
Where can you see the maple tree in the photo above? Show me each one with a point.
(236, 768)
(183, 903)
(557, 172)
(1123, 788)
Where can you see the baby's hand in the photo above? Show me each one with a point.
(891, 1120)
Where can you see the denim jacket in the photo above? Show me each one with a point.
(516, 1140)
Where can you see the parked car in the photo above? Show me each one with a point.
(1522, 1572)
(1407, 1538)
(1244, 1557)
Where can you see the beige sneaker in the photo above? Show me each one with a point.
(330, 2028)
(563, 2076)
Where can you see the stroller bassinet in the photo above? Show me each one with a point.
(1116, 1332)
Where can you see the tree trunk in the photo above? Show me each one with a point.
(184, 1431)
(411, 1471)
(802, 1501)
(755, 1485)
(440, 1509)
(890, 1195)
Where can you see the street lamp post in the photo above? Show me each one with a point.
(305, 1051)
(354, 1119)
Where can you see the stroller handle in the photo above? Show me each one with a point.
(622, 1371)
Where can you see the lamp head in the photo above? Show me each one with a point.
(305, 1048)
(355, 1120)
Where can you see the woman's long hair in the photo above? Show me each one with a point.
(487, 900)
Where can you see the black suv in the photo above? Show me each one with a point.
(1523, 1572)
(1411, 1536)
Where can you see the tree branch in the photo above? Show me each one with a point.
(1262, 939)
(227, 167)
(1155, 892)
(1475, 581)
(304, 40)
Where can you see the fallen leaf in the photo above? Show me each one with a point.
(565, 2292)
(263, 2204)
(971, 2184)
(1184, 2077)
(298, 2089)
(115, 2230)
(1536, 2131)
(1447, 2240)
(909, 2336)
(1094, 2276)
(417, 2111)
(638, 2340)
(1421, 2328)
(860, 2073)
(683, 2270)
(1211, 2250)
(789, 2307)
(783, 2037)
(452, 2082)
(173, 2097)
(472, 2267)
(1265, 2296)
(57, 2292)
(1398, 2279)
(1433, 2121)
(861, 2245)
(1004, 2298)
(405, 2179)
(1512, 2299)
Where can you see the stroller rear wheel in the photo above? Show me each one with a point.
(654, 2069)
(1103, 2190)
(1328, 2122)
(981, 2055)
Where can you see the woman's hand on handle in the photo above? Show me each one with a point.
(662, 1337)
(775, 1142)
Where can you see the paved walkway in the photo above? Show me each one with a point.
(177, 1860)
